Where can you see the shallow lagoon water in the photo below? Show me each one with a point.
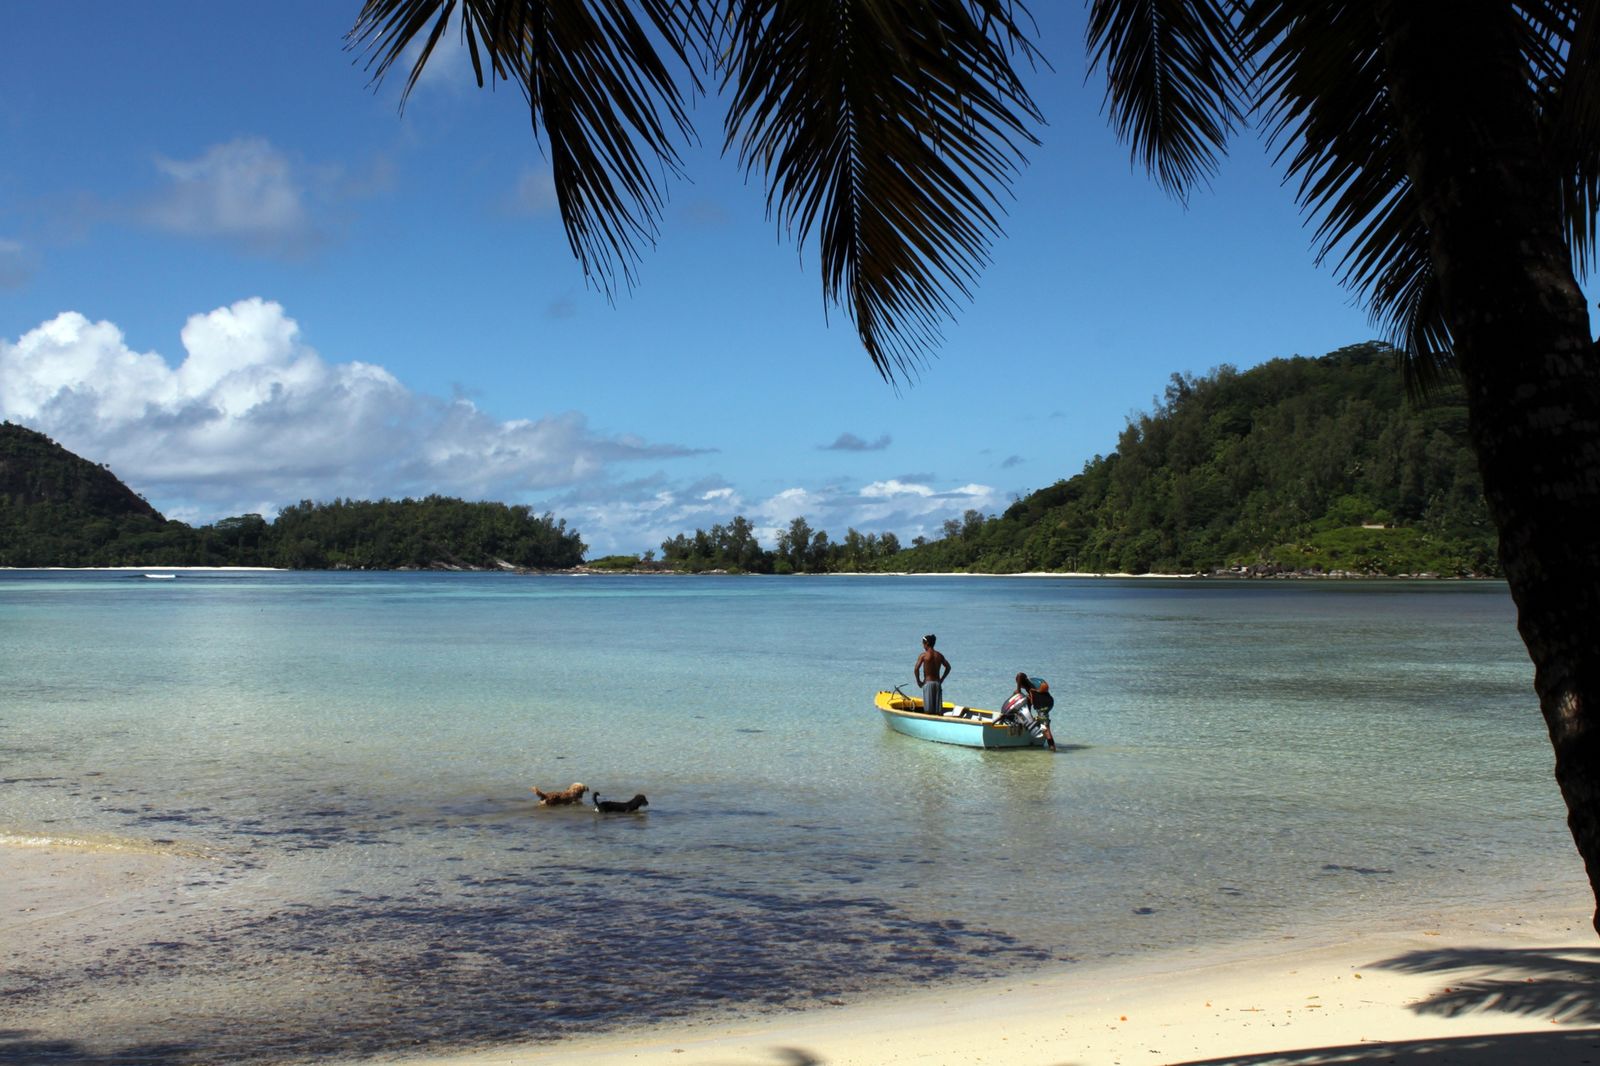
(351, 754)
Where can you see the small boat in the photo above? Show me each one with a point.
(971, 727)
(162, 577)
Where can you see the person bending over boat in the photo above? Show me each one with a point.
(931, 670)
(1035, 692)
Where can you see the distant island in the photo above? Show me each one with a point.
(1299, 466)
(58, 509)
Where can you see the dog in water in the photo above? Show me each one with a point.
(619, 807)
(571, 794)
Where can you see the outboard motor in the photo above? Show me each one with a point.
(1016, 709)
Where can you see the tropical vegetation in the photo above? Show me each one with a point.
(1297, 465)
(58, 509)
(733, 548)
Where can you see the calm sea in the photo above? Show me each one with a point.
(347, 759)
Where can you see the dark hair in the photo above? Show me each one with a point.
(1024, 682)
(930, 640)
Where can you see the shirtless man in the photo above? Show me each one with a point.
(931, 670)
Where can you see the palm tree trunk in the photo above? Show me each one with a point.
(1501, 256)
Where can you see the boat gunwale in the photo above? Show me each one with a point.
(988, 722)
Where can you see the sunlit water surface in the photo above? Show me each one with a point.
(351, 756)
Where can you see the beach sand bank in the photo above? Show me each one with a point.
(1507, 984)
(1465, 988)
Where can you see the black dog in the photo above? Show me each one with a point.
(617, 806)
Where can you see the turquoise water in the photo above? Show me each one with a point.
(352, 753)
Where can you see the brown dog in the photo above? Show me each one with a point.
(572, 794)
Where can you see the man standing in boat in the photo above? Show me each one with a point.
(931, 670)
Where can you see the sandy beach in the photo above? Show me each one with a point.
(1500, 985)
(1464, 988)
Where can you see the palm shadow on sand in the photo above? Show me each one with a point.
(1558, 985)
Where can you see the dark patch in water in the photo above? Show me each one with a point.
(1364, 870)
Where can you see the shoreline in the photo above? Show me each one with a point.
(1469, 986)
(589, 571)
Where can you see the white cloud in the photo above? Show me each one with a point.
(894, 487)
(972, 491)
(253, 414)
(244, 190)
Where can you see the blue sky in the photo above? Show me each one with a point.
(234, 272)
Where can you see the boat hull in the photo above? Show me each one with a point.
(904, 714)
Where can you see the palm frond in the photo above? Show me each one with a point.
(1563, 49)
(600, 94)
(1321, 86)
(890, 127)
(1173, 78)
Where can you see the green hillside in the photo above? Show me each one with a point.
(57, 509)
(1298, 464)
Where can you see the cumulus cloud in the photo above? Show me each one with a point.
(895, 487)
(849, 442)
(243, 190)
(253, 414)
(248, 193)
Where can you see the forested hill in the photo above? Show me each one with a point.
(1298, 464)
(57, 509)
(35, 470)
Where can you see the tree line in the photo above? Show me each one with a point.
(733, 548)
(436, 532)
(1303, 465)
